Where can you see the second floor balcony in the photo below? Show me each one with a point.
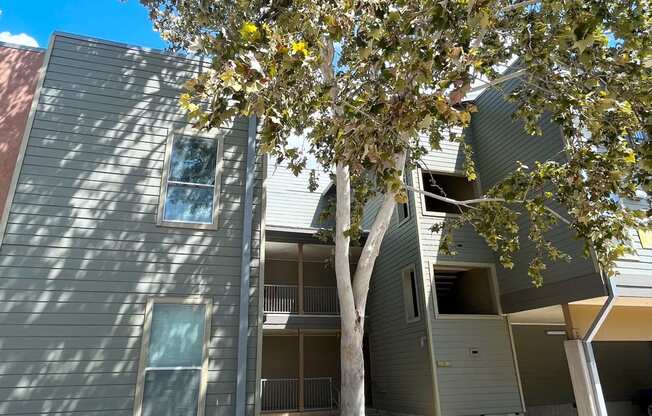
(304, 300)
(300, 284)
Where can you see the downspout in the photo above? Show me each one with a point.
(245, 271)
(600, 405)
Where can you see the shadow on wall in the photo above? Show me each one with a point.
(19, 69)
(82, 251)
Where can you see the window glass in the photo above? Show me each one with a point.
(189, 204)
(410, 295)
(193, 160)
(177, 335)
(171, 393)
(191, 181)
(403, 212)
(173, 373)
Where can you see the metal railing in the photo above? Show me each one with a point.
(320, 300)
(318, 393)
(280, 394)
(281, 298)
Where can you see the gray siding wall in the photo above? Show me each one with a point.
(635, 271)
(499, 142)
(400, 363)
(484, 384)
(470, 246)
(289, 202)
(475, 385)
(82, 253)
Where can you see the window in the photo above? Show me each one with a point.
(173, 366)
(454, 187)
(190, 182)
(465, 292)
(410, 295)
(403, 211)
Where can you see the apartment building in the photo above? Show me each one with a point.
(149, 269)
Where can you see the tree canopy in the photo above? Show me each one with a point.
(365, 80)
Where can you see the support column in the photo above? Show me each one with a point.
(301, 372)
(584, 376)
(300, 274)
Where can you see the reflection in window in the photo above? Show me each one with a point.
(190, 191)
(174, 360)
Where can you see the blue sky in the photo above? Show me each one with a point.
(28, 21)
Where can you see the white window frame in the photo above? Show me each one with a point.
(408, 295)
(144, 349)
(219, 164)
(458, 174)
(457, 266)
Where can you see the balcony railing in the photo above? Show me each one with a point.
(321, 300)
(280, 394)
(318, 300)
(318, 393)
(283, 394)
(281, 298)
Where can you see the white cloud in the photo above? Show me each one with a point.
(19, 39)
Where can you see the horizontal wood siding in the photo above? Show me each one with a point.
(290, 204)
(400, 364)
(471, 385)
(635, 271)
(82, 252)
(499, 142)
(469, 246)
(475, 385)
(449, 158)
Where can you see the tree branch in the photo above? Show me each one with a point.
(497, 81)
(343, 242)
(469, 202)
(371, 248)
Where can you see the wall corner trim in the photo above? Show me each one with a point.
(245, 270)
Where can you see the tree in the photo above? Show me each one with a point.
(364, 80)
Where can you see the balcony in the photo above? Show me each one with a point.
(294, 299)
(282, 394)
(300, 287)
(300, 372)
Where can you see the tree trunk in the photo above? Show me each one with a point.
(353, 294)
(352, 362)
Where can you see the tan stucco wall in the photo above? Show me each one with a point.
(624, 323)
(280, 357)
(281, 272)
(318, 274)
(19, 69)
(286, 272)
(321, 356)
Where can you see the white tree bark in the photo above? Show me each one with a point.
(353, 294)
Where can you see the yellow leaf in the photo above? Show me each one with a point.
(227, 75)
(300, 47)
(630, 158)
(249, 31)
(184, 100)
